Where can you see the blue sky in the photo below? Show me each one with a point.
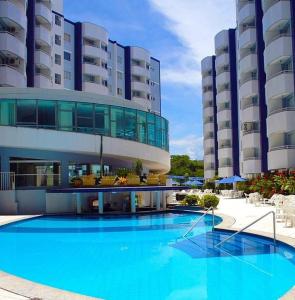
(177, 32)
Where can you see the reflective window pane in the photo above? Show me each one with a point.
(85, 117)
(7, 112)
(151, 129)
(130, 124)
(66, 115)
(102, 119)
(26, 112)
(117, 122)
(141, 126)
(46, 114)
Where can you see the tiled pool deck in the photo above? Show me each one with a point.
(236, 213)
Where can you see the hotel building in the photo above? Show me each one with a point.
(259, 123)
(65, 87)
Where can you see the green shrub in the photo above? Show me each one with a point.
(192, 199)
(209, 200)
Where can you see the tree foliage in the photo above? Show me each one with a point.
(182, 165)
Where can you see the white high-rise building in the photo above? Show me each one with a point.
(68, 95)
(256, 132)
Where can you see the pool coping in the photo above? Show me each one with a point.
(30, 289)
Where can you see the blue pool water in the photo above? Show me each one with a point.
(142, 257)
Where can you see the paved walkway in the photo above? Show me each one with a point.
(244, 213)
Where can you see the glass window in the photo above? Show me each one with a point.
(57, 39)
(67, 75)
(57, 59)
(57, 20)
(158, 132)
(57, 78)
(102, 119)
(46, 114)
(67, 56)
(7, 112)
(117, 122)
(130, 124)
(141, 126)
(26, 112)
(66, 115)
(85, 117)
(67, 37)
(151, 129)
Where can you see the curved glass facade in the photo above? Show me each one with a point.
(108, 120)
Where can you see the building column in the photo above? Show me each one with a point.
(78, 203)
(64, 173)
(133, 204)
(100, 202)
(4, 163)
(158, 200)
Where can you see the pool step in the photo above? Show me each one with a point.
(203, 245)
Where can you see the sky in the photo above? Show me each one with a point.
(180, 33)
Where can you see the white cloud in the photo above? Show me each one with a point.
(191, 145)
(194, 23)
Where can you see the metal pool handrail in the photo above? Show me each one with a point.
(252, 223)
(198, 220)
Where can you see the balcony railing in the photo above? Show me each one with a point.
(275, 37)
(282, 147)
(7, 181)
(282, 109)
(271, 76)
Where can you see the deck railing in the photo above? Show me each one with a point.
(7, 181)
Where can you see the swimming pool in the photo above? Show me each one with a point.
(142, 257)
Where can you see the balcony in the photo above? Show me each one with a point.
(140, 71)
(94, 70)
(222, 60)
(223, 96)
(94, 51)
(279, 84)
(208, 80)
(281, 157)
(43, 35)
(282, 121)
(222, 78)
(252, 165)
(42, 81)
(248, 88)
(248, 63)
(140, 86)
(94, 87)
(224, 115)
(248, 37)
(251, 139)
(209, 127)
(206, 64)
(224, 134)
(15, 12)
(210, 173)
(42, 58)
(208, 111)
(42, 11)
(247, 11)
(209, 142)
(221, 41)
(10, 43)
(225, 171)
(280, 11)
(250, 113)
(281, 46)
(10, 76)
(207, 96)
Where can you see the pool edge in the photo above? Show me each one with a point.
(31, 289)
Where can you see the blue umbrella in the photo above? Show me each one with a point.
(232, 179)
(193, 182)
